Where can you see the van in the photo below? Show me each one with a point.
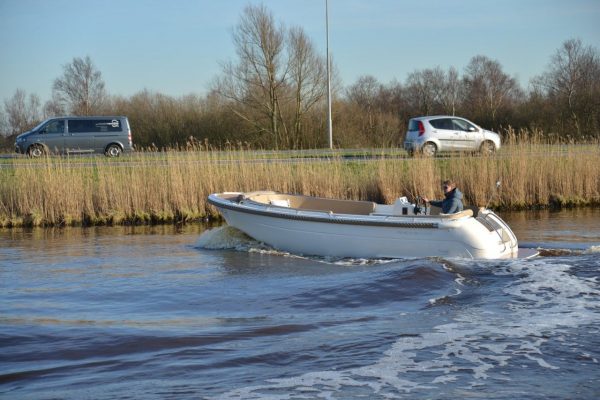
(76, 135)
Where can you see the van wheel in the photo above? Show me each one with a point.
(36, 151)
(429, 149)
(487, 148)
(114, 150)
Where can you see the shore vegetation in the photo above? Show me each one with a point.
(172, 186)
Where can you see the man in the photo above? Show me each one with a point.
(452, 203)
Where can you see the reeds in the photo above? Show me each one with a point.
(173, 186)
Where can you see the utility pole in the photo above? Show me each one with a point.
(329, 122)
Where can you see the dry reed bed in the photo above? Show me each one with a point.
(174, 188)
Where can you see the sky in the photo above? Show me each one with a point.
(177, 47)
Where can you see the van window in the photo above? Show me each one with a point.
(57, 126)
(94, 125)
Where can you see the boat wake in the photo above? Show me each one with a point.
(229, 238)
(226, 237)
(538, 309)
(554, 249)
(592, 250)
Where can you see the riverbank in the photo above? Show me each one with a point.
(59, 191)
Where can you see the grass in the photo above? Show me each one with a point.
(173, 186)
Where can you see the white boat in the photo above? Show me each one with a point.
(362, 229)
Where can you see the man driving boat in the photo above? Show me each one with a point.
(452, 202)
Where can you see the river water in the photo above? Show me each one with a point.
(193, 313)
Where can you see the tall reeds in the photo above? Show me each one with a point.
(173, 186)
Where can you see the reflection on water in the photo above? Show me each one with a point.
(569, 228)
(159, 312)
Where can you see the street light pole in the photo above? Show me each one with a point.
(329, 122)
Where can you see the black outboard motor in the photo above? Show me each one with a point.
(418, 206)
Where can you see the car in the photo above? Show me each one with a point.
(110, 135)
(433, 134)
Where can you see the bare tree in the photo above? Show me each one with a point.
(81, 88)
(425, 89)
(307, 78)
(364, 93)
(22, 112)
(488, 88)
(4, 127)
(276, 81)
(54, 107)
(254, 84)
(450, 96)
(573, 80)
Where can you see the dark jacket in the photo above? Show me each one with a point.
(452, 203)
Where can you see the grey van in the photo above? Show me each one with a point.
(69, 135)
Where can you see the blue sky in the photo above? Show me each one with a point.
(175, 47)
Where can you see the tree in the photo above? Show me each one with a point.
(425, 89)
(81, 89)
(277, 80)
(450, 96)
(365, 93)
(572, 82)
(54, 107)
(488, 88)
(4, 127)
(254, 83)
(373, 113)
(307, 77)
(22, 112)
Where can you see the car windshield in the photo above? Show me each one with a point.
(38, 126)
(462, 125)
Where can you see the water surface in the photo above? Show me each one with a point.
(167, 312)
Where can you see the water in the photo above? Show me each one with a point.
(185, 313)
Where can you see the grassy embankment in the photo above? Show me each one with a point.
(173, 187)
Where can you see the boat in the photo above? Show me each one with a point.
(308, 225)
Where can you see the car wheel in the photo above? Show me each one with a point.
(36, 151)
(114, 150)
(429, 149)
(487, 148)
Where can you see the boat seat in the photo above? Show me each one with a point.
(475, 210)
(280, 202)
(312, 203)
(461, 214)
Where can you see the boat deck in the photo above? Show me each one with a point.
(335, 206)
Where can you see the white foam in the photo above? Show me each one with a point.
(224, 237)
(592, 250)
(542, 300)
(353, 262)
(227, 237)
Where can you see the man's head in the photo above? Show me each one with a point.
(448, 186)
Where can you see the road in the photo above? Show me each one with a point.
(295, 157)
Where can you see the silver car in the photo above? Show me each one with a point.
(434, 134)
(105, 134)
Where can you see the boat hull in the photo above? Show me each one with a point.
(335, 235)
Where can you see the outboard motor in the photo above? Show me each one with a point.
(418, 209)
